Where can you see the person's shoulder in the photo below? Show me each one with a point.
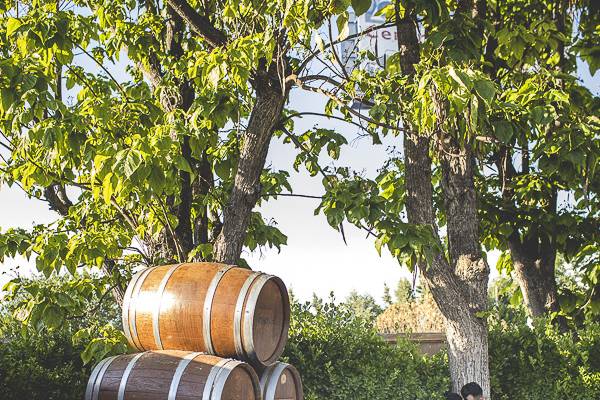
(452, 396)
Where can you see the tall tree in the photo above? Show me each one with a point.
(158, 157)
(542, 201)
(473, 82)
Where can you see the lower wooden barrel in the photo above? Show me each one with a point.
(208, 307)
(281, 381)
(172, 375)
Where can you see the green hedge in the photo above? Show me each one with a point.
(45, 361)
(543, 364)
(340, 356)
(39, 365)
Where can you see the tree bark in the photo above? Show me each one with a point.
(468, 352)
(174, 243)
(535, 274)
(534, 256)
(270, 99)
(202, 188)
(466, 329)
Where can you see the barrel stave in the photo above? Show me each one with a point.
(281, 381)
(145, 305)
(181, 320)
(223, 310)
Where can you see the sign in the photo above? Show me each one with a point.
(381, 42)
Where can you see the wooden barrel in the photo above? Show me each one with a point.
(172, 375)
(281, 381)
(208, 307)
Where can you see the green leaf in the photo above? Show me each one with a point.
(7, 98)
(53, 316)
(503, 131)
(339, 6)
(99, 161)
(12, 25)
(485, 89)
(459, 77)
(214, 76)
(343, 27)
(156, 178)
(107, 188)
(182, 164)
(361, 6)
(379, 242)
(132, 162)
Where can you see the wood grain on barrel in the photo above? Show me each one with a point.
(177, 303)
(181, 320)
(239, 386)
(145, 304)
(269, 322)
(281, 381)
(286, 388)
(152, 375)
(223, 310)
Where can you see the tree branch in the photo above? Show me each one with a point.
(301, 85)
(199, 24)
(305, 196)
(300, 114)
(123, 93)
(97, 306)
(56, 196)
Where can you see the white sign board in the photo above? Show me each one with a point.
(381, 42)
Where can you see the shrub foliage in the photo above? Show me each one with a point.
(337, 351)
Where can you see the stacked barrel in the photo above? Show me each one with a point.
(204, 331)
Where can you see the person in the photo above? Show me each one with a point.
(452, 396)
(472, 391)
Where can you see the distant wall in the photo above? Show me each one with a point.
(429, 343)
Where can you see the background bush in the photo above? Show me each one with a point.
(341, 356)
(39, 365)
(336, 349)
(48, 354)
(542, 363)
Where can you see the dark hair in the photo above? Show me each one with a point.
(452, 396)
(471, 388)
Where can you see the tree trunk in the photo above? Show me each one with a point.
(534, 258)
(459, 287)
(536, 277)
(466, 328)
(246, 189)
(270, 99)
(467, 338)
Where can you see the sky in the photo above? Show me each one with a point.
(316, 259)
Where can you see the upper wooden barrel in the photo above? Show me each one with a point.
(213, 308)
(172, 375)
(281, 381)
